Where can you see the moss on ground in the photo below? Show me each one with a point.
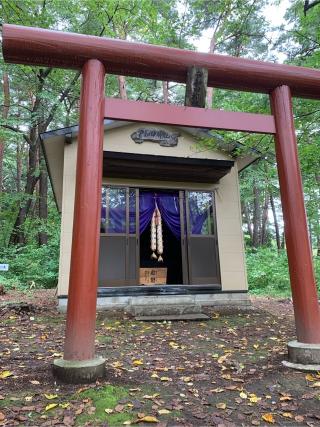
(5, 403)
(104, 339)
(229, 321)
(48, 320)
(106, 398)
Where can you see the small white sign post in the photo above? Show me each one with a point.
(4, 267)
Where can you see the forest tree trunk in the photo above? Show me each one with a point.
(17, 235)
(165, 92)
(265, 220)
(18, 166)
(247, 220)
(275, 221)
(256, 216)
(5, 113)
(43, 202)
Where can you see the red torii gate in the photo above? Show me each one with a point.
(95, 56)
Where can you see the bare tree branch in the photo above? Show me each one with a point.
(308, 5)
(62, 96)
(27, 139)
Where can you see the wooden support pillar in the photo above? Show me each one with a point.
(196, 87)
(303, 285)
(82, 297)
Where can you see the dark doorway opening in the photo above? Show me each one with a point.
(172, 259)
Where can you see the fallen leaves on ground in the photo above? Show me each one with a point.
(221, 405)
(50, 396)
(268, 418)
(148, 419)
(224, 371)
(137, 362)
(5, 374)
(51, 406)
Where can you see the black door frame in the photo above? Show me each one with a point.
(185, 245)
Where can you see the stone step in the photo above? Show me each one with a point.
(164, 309)
(172, 317)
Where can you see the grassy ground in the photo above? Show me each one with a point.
(226, 371)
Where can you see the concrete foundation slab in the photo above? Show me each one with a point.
(79, 371)
(230, 299)
(174, 317)
(303, 356)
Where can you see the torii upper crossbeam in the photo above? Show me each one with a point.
(35, 46)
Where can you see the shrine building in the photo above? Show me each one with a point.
(171, 225)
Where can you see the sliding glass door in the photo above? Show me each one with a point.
(119, 237)
(202, 247)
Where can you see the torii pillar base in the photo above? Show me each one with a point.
(79, 371)
(303, 357)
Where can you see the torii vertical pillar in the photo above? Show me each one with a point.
(80, 363)
(305, 352)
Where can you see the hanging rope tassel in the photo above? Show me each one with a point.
(159, 235)
(153, 236)
(156, 235)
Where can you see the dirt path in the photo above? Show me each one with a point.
(223, 372)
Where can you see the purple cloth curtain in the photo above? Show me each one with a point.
(168, 204)
(200, 206)
(197, 222)
(117, 220)
(146, 208)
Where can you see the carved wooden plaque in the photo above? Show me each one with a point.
(160, 136)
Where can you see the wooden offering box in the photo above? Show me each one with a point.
(153, 276)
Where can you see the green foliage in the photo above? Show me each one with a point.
(238, 27)
(268, 272)
(32, 265)
(8, 211)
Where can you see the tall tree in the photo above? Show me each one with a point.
(5, 112)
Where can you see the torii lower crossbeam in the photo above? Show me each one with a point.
(166, 114)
